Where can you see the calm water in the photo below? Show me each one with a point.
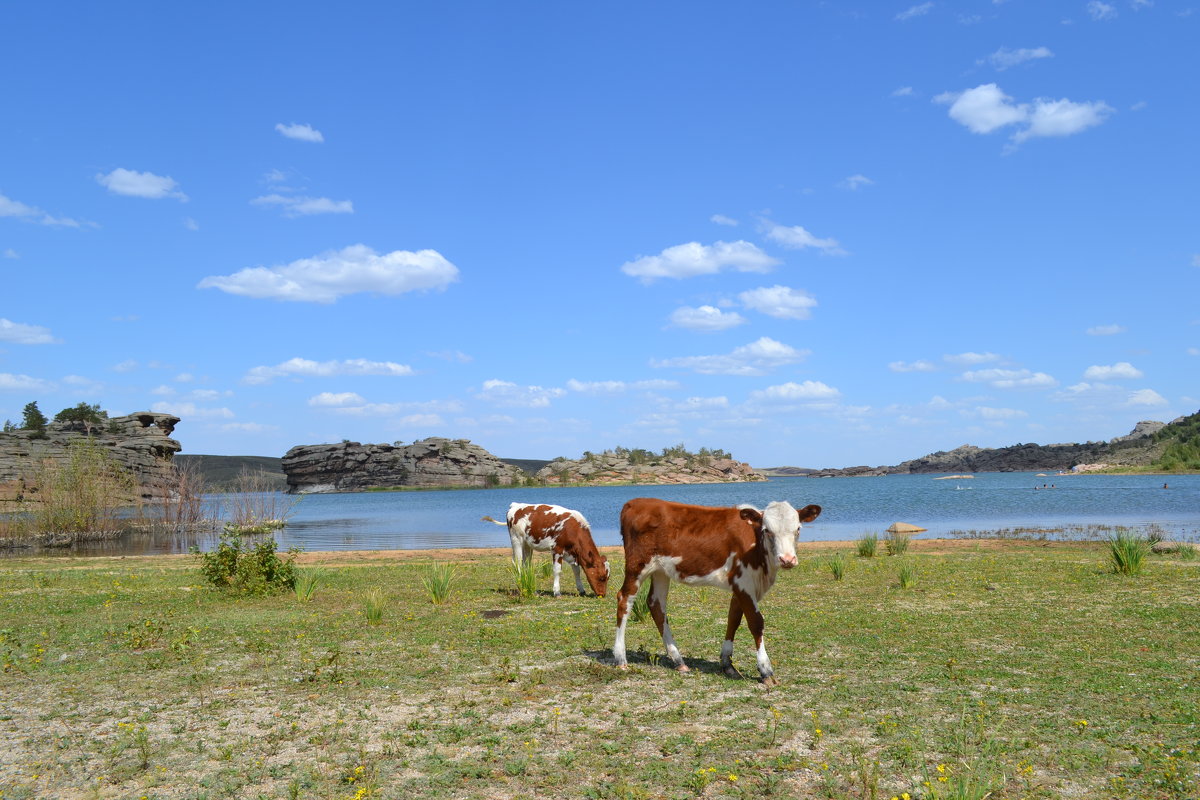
(852, 507)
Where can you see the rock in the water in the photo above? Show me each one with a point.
(354, 467)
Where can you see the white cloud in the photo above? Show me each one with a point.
(982, 109)
(326, 277)
(903, 91)
(162, 390)
(970, 359)
(247, 427)
(1105, 330)
(781, 302)
(328, 399)
(1062, 118)
(999, 413)
(302, 133)
(301, 206)
(1004, 58)
(756, 358)
(705, 318)
(855, 181)
(1193, 351)
(191, 224)
(914, 11)
(430, 408)
(128, 365)
(1011, 378)
(19, 210)
(23, 383)
(1101, 11)
(1196, 260)
(913, 366)
(191, 411)
(456, 356)
(619, 387)
(797, 238)
(791, 392)
(304, 368)
(702, 403)
(1122, 369)
(1146, 397)
(721, 219)
(185, 377)
(506, 393)
(10, 253)
(986, 108)
(132, 183)
(19, 333)
(693, 258)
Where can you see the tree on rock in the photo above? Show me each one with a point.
(33, 419)
(89, 416)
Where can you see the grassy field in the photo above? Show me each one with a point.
(1006, 670)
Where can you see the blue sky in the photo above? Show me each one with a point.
(817, 234)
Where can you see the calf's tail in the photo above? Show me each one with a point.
(493, 521)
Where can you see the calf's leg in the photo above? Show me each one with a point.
(735, 620)
(629, 589)
(659, 587)
(754, 621)
(556, 559)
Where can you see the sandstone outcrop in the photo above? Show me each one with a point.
(617, 469)
(1137, 448)
(140, 442)
(355, 467)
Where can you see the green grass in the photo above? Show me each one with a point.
(867, 545)
(1127, 552)
(1017, 670)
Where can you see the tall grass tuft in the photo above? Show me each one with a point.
(526, 578)
(374, 603)
(438, 579)
(907, 575)
(307, 582)
(897, 543)
(837, 565)
(1186, 551)
(1127, 552)
(640, 609)
(867, 546)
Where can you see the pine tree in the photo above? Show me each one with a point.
(33, 419)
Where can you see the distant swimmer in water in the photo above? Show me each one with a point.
(1164, 486)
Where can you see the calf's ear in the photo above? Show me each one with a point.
(751, 515)
(809, 513)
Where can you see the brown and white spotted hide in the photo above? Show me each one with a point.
(739, 549)
(563, 532)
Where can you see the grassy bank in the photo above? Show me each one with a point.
(1023, 670)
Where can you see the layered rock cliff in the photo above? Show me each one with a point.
(354, 467)
(611, 468)
(141, 443)
(1137, 448)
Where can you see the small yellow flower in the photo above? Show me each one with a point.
(732, 777)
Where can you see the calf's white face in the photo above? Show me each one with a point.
(782, 523)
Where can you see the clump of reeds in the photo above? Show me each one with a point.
(438, 580)
(907, 576)
(1127, 552)
(837, 565)
(867, 546)
(526, 578)
(307, 582)
(255, 506)
(641, 605)
(374, 603)
(897, 543)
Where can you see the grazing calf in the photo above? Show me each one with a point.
(740, 549)
(537, 526)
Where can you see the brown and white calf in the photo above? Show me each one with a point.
(565, 533)
(740, 549)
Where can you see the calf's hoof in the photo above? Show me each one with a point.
(732, 672)
(770, 681)
(682, 668)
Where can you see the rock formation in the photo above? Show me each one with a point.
(1137, 448)
(140, 442)
(355, 467)
(611, 468)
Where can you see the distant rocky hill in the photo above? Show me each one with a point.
(140, 442)
(355, 467)
(640, 466)
(1141, 447)
(221, 473)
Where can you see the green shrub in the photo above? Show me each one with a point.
(837, 565)
(258, 570)
(1127, 552)
(867, 546)
(907, 575)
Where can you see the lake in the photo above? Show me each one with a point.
(852, 507)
